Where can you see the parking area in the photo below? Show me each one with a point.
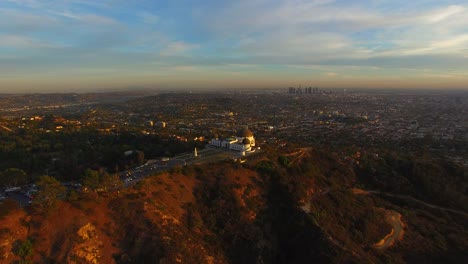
(25, 194)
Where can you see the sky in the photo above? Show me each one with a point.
(94, 45)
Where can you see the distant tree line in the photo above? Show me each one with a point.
(26, 155)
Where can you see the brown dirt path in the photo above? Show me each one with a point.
(394, 218)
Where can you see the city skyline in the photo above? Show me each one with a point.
(84, 45)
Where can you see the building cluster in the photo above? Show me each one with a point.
(306, 90)
(243, 141)
(329, 117)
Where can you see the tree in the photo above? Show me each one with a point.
(13, 176)
(73, 196)
(25, 251)
(91, 179)
(3, 179)
(101, 180)
(49, 192)
(110, 182)
(139, 157)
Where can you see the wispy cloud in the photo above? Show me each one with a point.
(322, 38)
(445, 13)
(92, 19)
(18, 41)
(149, 18)
(177, 48)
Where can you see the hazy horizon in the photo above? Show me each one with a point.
(86, 46)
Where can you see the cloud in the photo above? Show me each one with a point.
(28, 3)
(21, 22)
(284, 37)
(331, 74)
(315, 32)
(56, 4)
(149, 18)
(19, 42)
(92, 19)
(445, 13)
(177, 48)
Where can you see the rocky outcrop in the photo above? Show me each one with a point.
(87, 249)
(6, 245)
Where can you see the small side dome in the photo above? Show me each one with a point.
(246, 141)
(245, 132)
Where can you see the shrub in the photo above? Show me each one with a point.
(25, 251)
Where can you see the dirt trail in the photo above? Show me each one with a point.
(420, 202)
(394, 218)
(406, 197)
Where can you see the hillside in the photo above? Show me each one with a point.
(295, 206)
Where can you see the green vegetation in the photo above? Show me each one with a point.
(222, 214)
(426, 177)
(25, 252)
(13, 177)
(101, 181)
(297, 206)
(358, 217)
(49, 192)
(68, 154)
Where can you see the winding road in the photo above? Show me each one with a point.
(394, 218)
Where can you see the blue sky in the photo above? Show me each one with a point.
(85, 45)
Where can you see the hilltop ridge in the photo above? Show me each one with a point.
(293, 206)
